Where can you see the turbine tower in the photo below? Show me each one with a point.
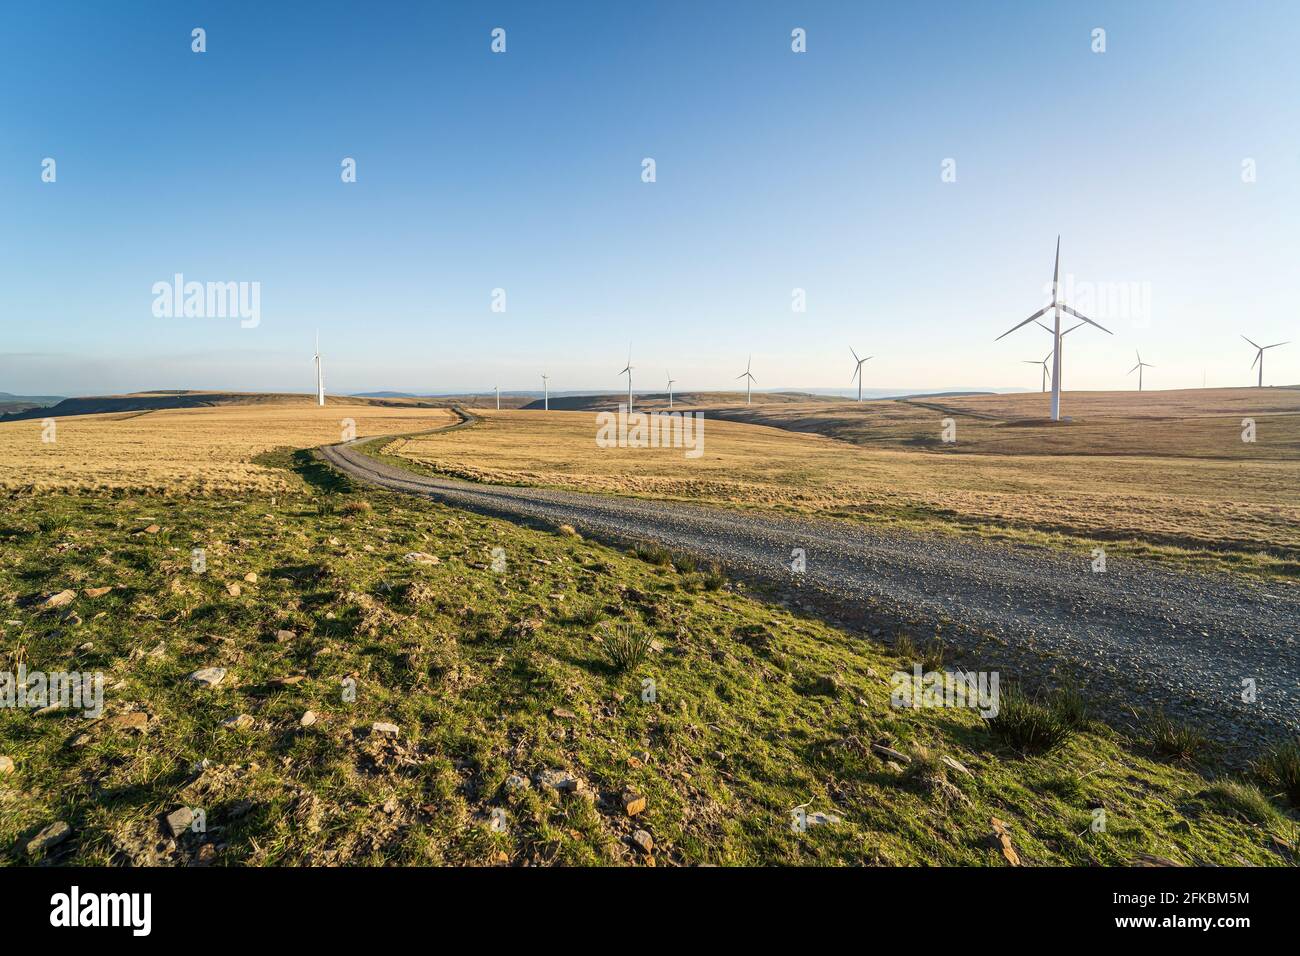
(627, 370)
(546, 392)
(1139, 367)
(498, 390)
(1048, 330)
(1056, 307)
(1259, 357)
(1043, 363)
(670, 389)
(857, 370)
(749, 379)
(320, 374)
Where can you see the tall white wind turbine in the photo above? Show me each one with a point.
(1259, 357)
(1139, 367)
(627, 370)
(670, 389)
(749, 379)
(1056, 307)
(546, 392)
(857, 370)
(498, 389)
(1043, 363)
(320, 374)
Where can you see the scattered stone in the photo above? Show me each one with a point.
(251, 577)
(385, 730)
(560, 780)
(152, 529)
(516, 782)
(233, 589)
(97, 592)
(642, 755)
(644, 842)
(819, 819)
(1150, 859)
(240, 722)
(419, 557)
(889, 753)
(956, 764)
(211, 676)
(283, 636)
(1001, 839)
(62, 599)
(6, 765)
(563, 714)
(633, 803)
(178, 821)
(307, 719)
(50, 836)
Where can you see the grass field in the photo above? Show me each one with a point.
(1161, 475)
(182, 451)
(495, 668)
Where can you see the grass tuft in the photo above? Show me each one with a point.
(626, 646)
(1280, 768)
(1241, 799)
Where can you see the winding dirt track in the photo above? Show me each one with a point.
(1138, 636)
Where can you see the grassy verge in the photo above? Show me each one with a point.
(514, 670)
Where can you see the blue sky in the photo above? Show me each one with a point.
(522, 171)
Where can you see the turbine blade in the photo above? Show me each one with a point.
(855, 354)
(1024, 323)
(1080, 315)
(1276, 344)
(1056, 269)
(1072, 328)
(1258, 355)
(1135, 368)
(1252, 343)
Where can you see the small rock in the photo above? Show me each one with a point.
(419, 557)
(560, 780)
(211, 676)
(50, 836)
(251, 577)
(239, 722)
(178, 821)
(633, 803)
(283, 636)
(62, 599)
(6, 764)
(307, 719)
(97, 592)
(152, 529)
(563, 714)
(383, 729)
(644, 842)
(516, 782)
(889, 753)
(956, 764)
(233, 589)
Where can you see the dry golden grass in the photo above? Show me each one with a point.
(182, 451)
(1228, 499)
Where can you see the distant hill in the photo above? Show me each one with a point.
(11, 404)
(154, 401)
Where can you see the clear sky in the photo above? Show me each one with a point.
(523, 171)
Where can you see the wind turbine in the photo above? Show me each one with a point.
(627, 370)
(1259, 357)
(546, 392)
(1056, 307)
(1043, 363)
(498, 390)
(320, 375)
(857, 370)
(1139, 367)
(670, 389)
(749, 379)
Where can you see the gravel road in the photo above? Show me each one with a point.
(1137, 636)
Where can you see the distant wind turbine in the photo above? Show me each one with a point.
(320, 374)
(1139, 367)
(670, 389)
(1048, 330)
(1259, 357)
(498, 389)
(627, 370)
(749, 379)
(1056, 307)
(1043, 363)
(546, 392)
(857, 370)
